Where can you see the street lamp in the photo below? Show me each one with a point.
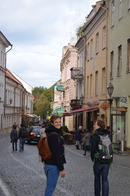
(110, 90)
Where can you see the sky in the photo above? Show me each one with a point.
(38, 30)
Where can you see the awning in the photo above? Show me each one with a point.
(84, 109)
(72, 112)
(67, 114)
(29, 115)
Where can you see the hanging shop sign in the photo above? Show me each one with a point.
(104, 106)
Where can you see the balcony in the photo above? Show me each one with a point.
(77, 73)
(75, 104)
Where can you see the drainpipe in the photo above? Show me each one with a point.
(14, 96)
(5, 77)
(14, 101)
(106, 9)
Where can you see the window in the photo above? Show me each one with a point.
(87, 86)
(96, 83)
(87, 52)
(91, 49)
(1, 91)
(120, 9)
(97, 43)
(91, 85)
(112, 12)
(68, 73)
(111, 64)
(119, 68)
(128, 4)
(2, 59)
(104, 37)
(128, 55)
(103, 81)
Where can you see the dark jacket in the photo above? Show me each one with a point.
(78, 135)
(94, 145)
(56, 144)
(22, 132)
(14, 135)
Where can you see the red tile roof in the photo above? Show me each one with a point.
(12, 77)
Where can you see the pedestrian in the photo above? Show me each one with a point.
(101, 167)
(78, 137)
(86, 141)
(54, 166)
(42, 131)
(22, 136)
(14, 138)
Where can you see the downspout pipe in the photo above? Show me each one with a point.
(5, 76)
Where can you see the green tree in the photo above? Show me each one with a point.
(79, 31)
(42, 100)
(37, 91)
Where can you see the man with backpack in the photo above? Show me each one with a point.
(101, 155)
(22, 136)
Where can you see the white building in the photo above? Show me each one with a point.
(4, 44)
(28, 104)
(13, 102)
(15, 94)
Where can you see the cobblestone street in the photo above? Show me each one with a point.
(22, 174)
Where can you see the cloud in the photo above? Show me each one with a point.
(38, 30)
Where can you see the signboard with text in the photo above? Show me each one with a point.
(104, 106)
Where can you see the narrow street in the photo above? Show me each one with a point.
(22, 174)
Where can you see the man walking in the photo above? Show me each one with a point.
(101, 167)
(14, 138)
(22, 136)
(78, 137)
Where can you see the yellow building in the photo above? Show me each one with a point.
(95, 67)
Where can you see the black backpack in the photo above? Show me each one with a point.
(105, 148)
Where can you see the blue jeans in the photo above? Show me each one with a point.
(21, 144)
(101, 171)
(52, 174)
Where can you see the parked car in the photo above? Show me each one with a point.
(33, 134)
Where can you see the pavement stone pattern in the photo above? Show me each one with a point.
(23, 174)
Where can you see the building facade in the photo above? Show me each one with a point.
(66, 89)
(4, 45)
(119, 69)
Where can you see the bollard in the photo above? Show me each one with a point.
(122, 145)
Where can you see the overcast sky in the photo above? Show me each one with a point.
(38, 30)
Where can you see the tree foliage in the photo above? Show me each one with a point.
(79, 31)
(42, 100)
(37, 91)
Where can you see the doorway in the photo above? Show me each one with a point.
(118, 127)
